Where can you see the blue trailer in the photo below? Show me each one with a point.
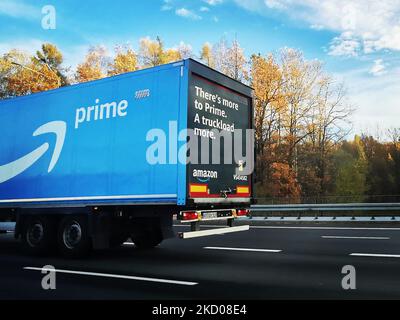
(90, 165)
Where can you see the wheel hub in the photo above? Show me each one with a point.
(35, 234)
(72, 235)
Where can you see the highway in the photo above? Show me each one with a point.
(271, 261)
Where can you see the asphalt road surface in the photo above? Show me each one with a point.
(288, 261)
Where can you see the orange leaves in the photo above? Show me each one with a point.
(284, 182)
(93, 67)
(22, 74)
(123, 62)
(32, 79)
(206, 55)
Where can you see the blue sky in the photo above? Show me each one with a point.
(358, 40)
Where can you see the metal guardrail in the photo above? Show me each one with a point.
(327, 207)
(6, 227)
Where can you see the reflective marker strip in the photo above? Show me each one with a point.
(198, 188)
(212, 232)
(243, 249)
(376, 255)
(130, 197)
(241, 190)
(115, 276)
(361, 238)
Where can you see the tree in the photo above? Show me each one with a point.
(266, 79)
(351, 172)
(8, 69)
(236, 61)
(381, 177)
(328, 125)
(299, 79)
(152, 53)
(171, 55)
(206, 55)
(22, 74)
(52, 58)
(282, 184)
(301, 115)
(185, 51)
(219, 54)
(125, 60)
(95, 65)
(230, 60)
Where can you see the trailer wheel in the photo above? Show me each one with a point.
(73, 237)
(39, 235)
(148, 241)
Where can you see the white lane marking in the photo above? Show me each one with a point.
(115, 276)
(242, 249)
(362, 238)
(324, 228)
(304, 228)
(376, 255)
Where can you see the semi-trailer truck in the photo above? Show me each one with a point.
(90, 165)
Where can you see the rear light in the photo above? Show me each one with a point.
(190, 216)
(242, 212)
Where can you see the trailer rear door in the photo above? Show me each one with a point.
(219, 109)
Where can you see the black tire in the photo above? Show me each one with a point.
(148, 241)
(73, 237)
(39, 235)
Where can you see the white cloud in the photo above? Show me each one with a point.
(213, 2)
(317, 27)
(204, 9)
(18, 9)
(375, 25)
(344, 45)
(185, 13)
(29, 46)
(275, 4)
(167, 6)
(374, 98)
(379, 68)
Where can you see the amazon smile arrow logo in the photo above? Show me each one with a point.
(15, 168)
